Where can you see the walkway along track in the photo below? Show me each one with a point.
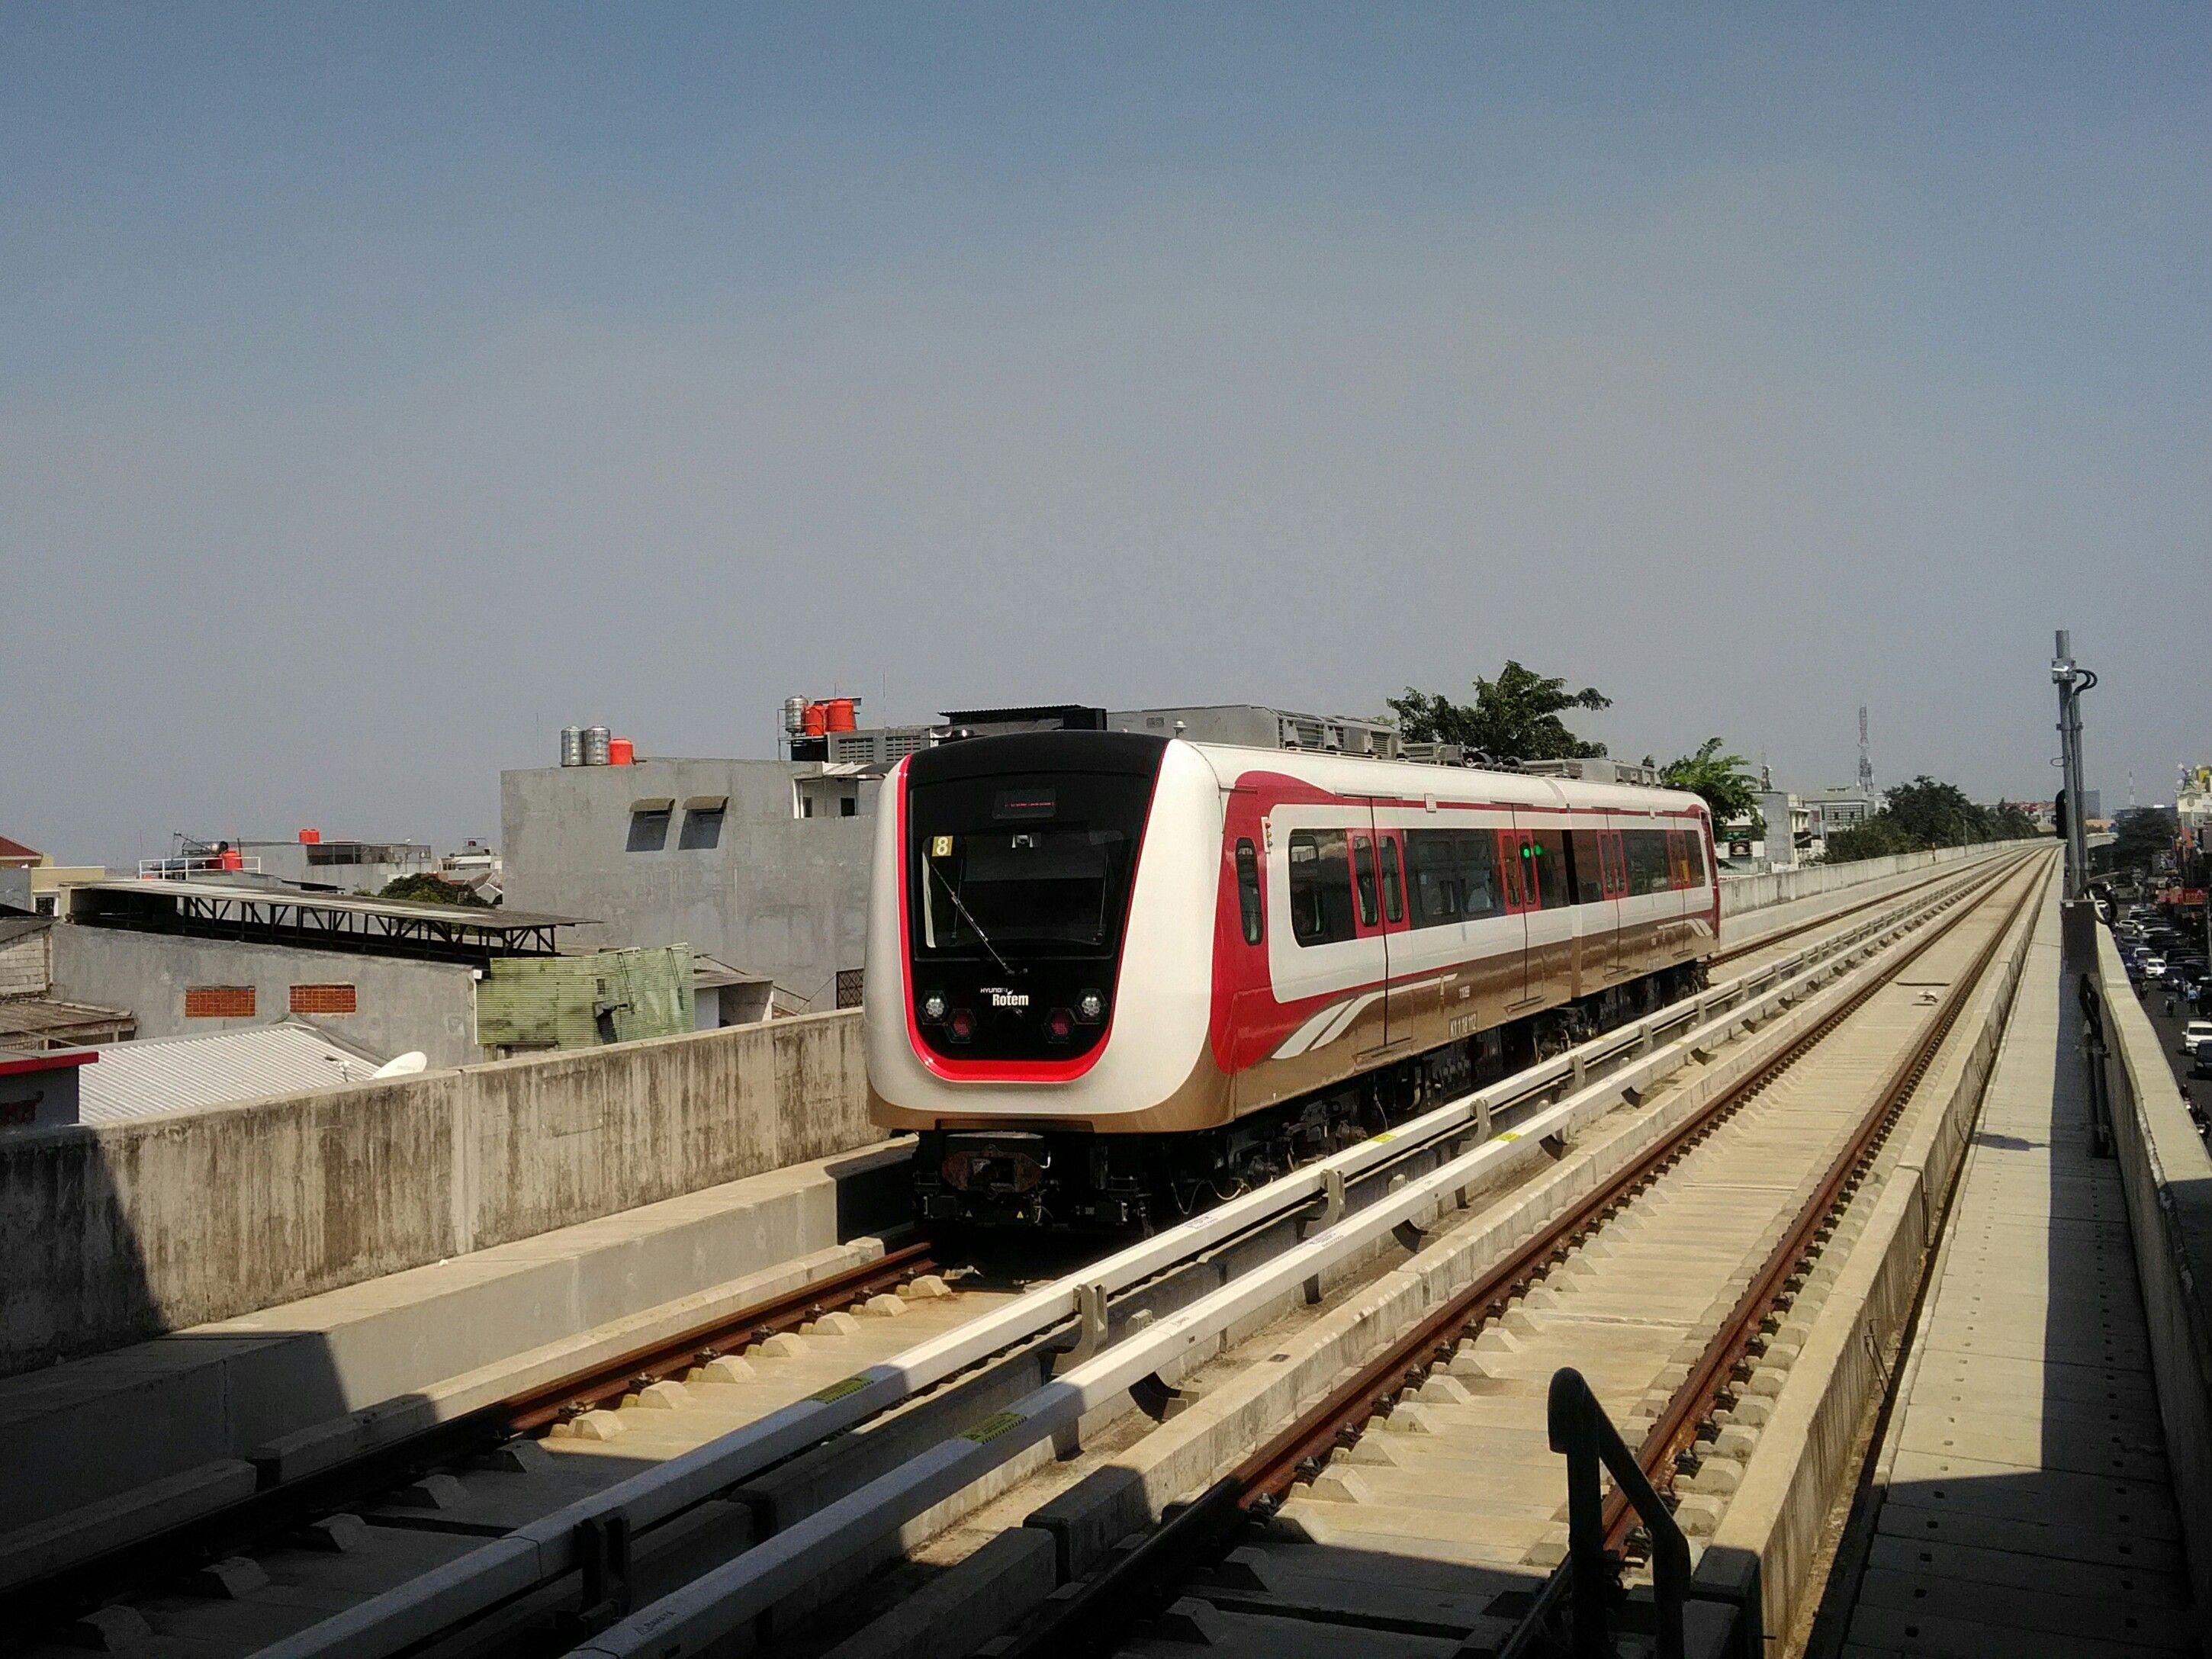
(406, 1471)
(699, 1615)
(1456, 1401)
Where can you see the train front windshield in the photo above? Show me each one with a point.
(1017, 891)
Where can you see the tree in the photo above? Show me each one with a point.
(2141, 834)
(432, 890)
(2011, 823)
(1721, 780)
(1514, 717)
(1936, 814)
(1878, 837)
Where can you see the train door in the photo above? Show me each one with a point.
(1594, 916)
(1398, 1017)
(1517, 853)
(1616, 889)
(1370, 1027)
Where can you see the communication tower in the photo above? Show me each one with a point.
(1866, 761)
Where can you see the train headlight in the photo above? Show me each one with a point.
(933, 1007)
(1091, 1007)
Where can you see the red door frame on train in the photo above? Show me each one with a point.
(1516, 881)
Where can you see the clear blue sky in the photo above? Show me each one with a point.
(383, 388)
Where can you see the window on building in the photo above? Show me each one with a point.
(1320, 887)
(219, 1002)
(702, 827)
(648, 829)
(323, 999)
(1247, 893)
(848, 806)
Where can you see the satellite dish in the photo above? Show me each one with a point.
(406, 1065)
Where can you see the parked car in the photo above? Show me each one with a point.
(2194, 1037)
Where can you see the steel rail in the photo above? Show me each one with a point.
(1768, 940)
(1740, 1335)
(700, 1614)
(280, 1507)
(1094, 1616)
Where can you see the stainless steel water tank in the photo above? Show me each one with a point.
(572, 745)
(596, 739)
(794, 716)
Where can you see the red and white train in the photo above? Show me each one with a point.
(1113, 976)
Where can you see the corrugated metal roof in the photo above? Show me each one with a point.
(179, 1074)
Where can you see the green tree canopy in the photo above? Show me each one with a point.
(1514, 717)
(1878, 837)
(2011, 823)
(432, 890)
(1936, 814)
(1722, 780)
(2141, 834)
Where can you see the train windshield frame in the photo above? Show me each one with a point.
(1004, 869)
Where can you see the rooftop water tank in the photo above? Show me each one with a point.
(839, 715)
(621, 751)
(596, 739)
(794, 716)
(572, 745)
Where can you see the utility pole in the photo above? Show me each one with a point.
(2072, 682)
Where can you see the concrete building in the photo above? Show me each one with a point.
(760, 865)
(40, 1090)
(189, 958)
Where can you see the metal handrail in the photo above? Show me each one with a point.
(1580, 1431)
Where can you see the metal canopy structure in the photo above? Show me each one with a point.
(324, 921)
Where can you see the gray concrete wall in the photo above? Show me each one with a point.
(401, 1004)
(119, 1232)
(2167, 1173)
(779, 896)
(1739, 893)
(26, 964)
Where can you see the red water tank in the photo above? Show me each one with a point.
(311, 837)
(231, 860)
(840, 717)
(621, 751)
(811, 724)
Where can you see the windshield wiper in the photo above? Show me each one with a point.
(982, 938)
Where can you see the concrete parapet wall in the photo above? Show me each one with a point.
(1741, 893)
(2167, 1173)
(118, 1232)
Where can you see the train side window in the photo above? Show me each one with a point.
(1247, 893)
(1394, 904)
(1320, 887)
(1511, 873)
(1363, 877)
(1586, 853)
(1432, 881)
(1647, 861)
(1693, 857)
(1547, 869)
(1479, 877)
